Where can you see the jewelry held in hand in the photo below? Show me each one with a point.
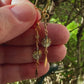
(46, 42)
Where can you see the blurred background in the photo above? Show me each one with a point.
(71, 70)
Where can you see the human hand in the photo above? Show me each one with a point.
(17, 41)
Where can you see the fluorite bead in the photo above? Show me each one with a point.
(37, 54)
(46, 42)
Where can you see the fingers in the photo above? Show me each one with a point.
(18, 1)
(11, 2)
(57, 33)
(5, 2)
(11, 73)
(18, 55)
(15, 19)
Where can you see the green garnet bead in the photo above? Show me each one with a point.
(37, 54)
(46, 42)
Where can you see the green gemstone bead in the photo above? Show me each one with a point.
(37, 54)
(46, 42)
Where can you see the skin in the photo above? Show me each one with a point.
(17, 20)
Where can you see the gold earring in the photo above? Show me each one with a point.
(46, 42)
(37, 53)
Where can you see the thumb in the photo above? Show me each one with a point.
(14, 20)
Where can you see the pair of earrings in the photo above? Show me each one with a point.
(45, 42)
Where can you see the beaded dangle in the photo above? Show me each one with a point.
(37, 53)
(45, 42)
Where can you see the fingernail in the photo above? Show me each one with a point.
(4, 2)
(24, 12)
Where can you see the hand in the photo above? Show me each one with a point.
(17, 41)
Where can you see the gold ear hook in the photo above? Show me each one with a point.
(36, 2)
(46, 16)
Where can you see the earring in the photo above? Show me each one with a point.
(37, 53)
(46, 42)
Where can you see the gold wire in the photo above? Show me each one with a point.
(46, 16)
(36, 2)
(37, 38)
(37, 47)
(37, 63)
(47, 5)
(46, 31)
